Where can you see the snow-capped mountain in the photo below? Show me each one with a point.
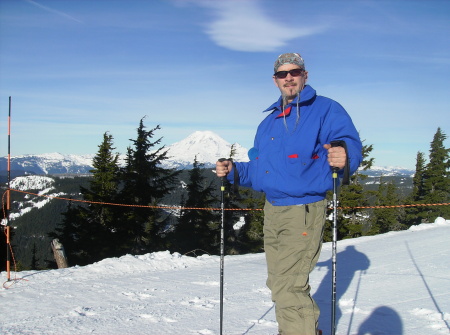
(207, 146)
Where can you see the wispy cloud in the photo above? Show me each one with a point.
(243, 26)
(54, 11)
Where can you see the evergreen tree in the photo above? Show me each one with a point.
(232, 199)
(145, 183)
(251, 236)
(232, 150)
(103, 187)
(416, 215)
(197, 228)
(88, 233)
(69, 233)
(387, 219)
(436, 186)
(352, 221)
(34, 260)
(98, 220)
(418, 179)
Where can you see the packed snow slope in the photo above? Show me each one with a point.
(395, 283)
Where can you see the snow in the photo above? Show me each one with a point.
(395, 283)
(25, 183)
(29, 183)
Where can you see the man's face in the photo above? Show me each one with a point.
(290, 86)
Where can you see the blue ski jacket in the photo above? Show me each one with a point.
(288, 162)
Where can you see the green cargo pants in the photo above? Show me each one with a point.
(292, 242)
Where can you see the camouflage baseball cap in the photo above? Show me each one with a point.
(289, 58)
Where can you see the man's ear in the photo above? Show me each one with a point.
(275, 81)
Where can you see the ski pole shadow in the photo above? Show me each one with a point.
(430, 293)
(383, 320)
(261, 317)
(349, 262)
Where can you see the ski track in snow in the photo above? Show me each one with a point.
(396, 283)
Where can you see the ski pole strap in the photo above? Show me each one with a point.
(346, 177)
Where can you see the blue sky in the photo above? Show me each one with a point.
(78, 68)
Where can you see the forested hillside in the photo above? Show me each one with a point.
(31, 228)
(123, 209)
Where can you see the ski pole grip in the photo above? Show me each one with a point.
(222, 178)
(235, 177)
(341, 143)
(335, 144)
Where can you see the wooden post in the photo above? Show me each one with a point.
(60, 255)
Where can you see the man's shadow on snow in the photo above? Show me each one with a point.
(349, 263)
(383, 320)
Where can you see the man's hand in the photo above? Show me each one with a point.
(223, 167)
(336, 156)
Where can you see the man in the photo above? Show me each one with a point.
(291, 162)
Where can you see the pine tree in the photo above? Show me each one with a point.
(351, 220)
(100, 234)
(251, 235)
(103, 189)
(197, 228)
(415, 215)
(436, 187)
(69, 233)
(387, 219)
(34, 260)
(418, 179)
(145, 183)
(88, 232)
(232, 199)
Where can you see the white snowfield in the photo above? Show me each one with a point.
(395, 283)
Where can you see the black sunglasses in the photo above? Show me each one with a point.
(293, 73)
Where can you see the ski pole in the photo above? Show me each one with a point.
(334, 245)
(222, 244)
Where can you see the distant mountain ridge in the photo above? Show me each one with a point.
(52, 163)
(206, 146)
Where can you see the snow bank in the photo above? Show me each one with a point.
(438, 222)
(151, 262)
